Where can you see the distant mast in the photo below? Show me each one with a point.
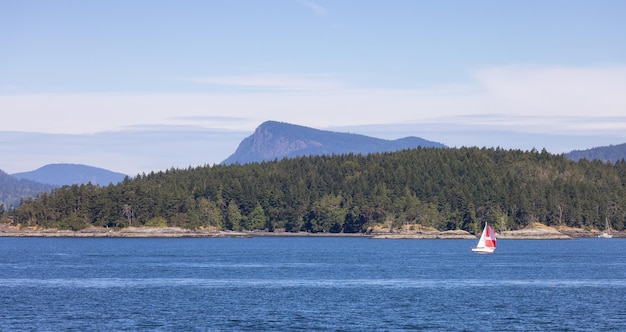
(607, 231)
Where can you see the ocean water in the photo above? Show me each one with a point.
(310, 284)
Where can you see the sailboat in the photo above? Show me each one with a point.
(487, 242)
(607, 231)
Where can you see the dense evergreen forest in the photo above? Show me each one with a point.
(441, 188)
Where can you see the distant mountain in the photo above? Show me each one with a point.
(69, 174)
(276, 140)
(610, 153)
(12, 189)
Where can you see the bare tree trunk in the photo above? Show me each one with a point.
(128, 212)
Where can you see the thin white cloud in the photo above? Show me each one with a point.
(208, 118)
(531, 99)
(314, 7)
(563, 91)
(558, 125)
(273, 82)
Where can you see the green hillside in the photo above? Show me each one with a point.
(443, 188)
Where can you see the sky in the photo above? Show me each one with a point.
(147, 85)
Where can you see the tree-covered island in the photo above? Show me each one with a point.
(444, 189)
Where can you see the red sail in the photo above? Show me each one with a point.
(490, 238)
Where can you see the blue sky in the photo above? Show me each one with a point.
(137, 86)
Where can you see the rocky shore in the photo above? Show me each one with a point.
(130, 232)
(539, 231)
(533, 233)
(447, 235)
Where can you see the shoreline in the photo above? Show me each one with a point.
(539, 233)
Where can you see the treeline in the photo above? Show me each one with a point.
(441, 188)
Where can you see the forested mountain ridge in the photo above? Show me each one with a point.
(441, 188)
(610, 153)
(12, 190)
(69, 174)
(277, 140)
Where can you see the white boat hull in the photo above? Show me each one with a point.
(484, 250)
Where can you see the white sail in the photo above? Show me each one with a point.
(607, 231)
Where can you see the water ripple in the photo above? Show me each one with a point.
(315, 283)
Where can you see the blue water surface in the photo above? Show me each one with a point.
(311, 284)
